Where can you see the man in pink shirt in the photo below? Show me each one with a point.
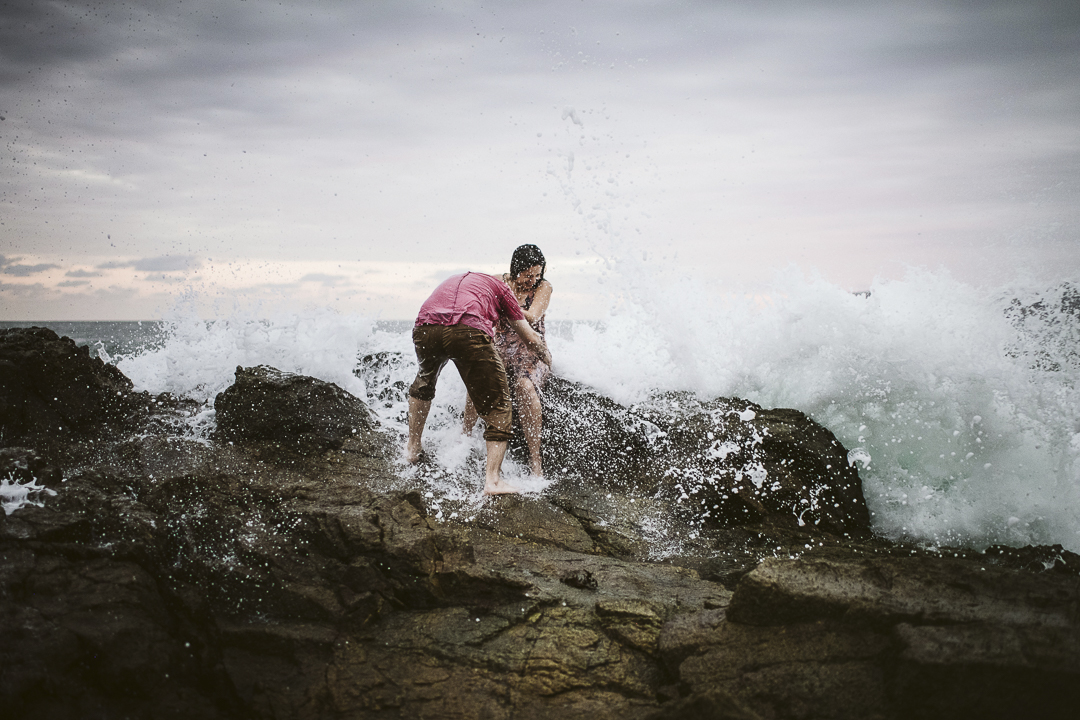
(458, 323)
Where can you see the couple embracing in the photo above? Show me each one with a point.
(492, 328)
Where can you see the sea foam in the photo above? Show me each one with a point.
(15, 494)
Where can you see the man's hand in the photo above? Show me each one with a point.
(532, 339)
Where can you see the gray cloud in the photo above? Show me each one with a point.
(23, 290)
(33, 301)
(164, 263)
(277, 288)
(205, 55)
(27, 270)
(81, 274)
(230, 128)
(167, 263)
(325, 279)
(166, 279)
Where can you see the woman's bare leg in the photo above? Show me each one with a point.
(532, 421)
(468, 422)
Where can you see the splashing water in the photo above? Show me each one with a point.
(15, 495)
(959, 405)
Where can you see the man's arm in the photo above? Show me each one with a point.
(532, 339)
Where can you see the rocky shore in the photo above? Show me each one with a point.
(287, 567)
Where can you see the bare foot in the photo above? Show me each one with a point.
(412, 455)
(499, 487)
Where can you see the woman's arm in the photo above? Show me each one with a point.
(540, 302)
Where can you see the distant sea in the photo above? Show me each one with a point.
(122, 338)
(108, 339)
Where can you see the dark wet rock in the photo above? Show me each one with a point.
(291, 411)
(814, 479)
(536, 520)
(295, 575)
(295, 601)
(725, 461)
(590, 436)
(90, 635)
(49, 386)
(841, 633)
(23, 465)
(918, 588)
(264, 593)
(734, 462)
(1043, 557)
(711, 705)
(612, 520)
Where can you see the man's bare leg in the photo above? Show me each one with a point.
(531, 422)
(493, 482)
(418, 412)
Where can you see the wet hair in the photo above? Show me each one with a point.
(524, 258)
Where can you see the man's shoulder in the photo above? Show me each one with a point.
(493, 281)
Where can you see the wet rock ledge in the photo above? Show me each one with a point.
(287, 570)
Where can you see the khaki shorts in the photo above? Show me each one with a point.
(481, 369)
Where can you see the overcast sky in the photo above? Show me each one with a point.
(350, 154)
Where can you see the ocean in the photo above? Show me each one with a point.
(960, 405)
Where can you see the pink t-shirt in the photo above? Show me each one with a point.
(472, 299)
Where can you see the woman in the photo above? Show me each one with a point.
(526, 372)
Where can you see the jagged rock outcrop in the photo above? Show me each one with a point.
(291, 411)
(735, 462)
(842, 634)
(49, 386)
(724, 461)
(277, 577)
